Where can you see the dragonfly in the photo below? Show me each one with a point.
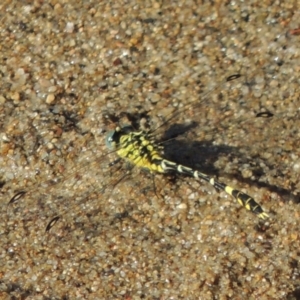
(142, 149)
(139, 149)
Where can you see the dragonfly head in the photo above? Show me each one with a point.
(113, 137)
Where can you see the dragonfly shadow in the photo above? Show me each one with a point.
(202, 156)
(189, 153)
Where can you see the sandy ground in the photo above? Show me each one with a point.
(69, 73)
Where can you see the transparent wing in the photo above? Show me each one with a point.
(237, 127)
(68, 193)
